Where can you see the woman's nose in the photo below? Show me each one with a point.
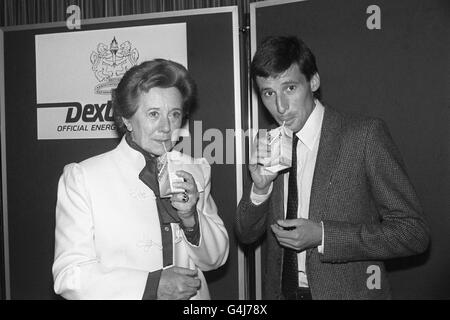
(164, 125)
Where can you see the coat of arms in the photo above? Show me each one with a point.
(109, 64)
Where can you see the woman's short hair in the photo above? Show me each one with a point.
(276, 54)
(141, 78)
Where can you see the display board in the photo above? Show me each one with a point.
(57, 111)
(388, 59)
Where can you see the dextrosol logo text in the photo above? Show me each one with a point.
(60, 120)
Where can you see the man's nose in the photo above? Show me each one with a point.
(282, 104)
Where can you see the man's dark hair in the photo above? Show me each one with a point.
(276, 54)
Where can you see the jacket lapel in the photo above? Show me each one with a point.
(329, 146)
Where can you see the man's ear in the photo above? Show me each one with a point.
(315, 82)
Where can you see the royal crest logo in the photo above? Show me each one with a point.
(109, 64)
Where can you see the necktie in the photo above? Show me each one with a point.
(289, 278)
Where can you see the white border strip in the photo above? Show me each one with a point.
(3, 160)
(130, 17)
(239, 144)
(254, 124)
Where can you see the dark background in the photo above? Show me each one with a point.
(34, 166)
(401, 74)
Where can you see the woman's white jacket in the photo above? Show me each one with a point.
(108, 235)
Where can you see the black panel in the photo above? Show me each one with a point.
(34, 166)
(401, 74)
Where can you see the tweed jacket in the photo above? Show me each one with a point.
(108, 233)
(369, 209)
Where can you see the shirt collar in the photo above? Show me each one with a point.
(147, 155)
(310, 132)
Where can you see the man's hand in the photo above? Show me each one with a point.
(178, 283)
(298, 234)
(259, 156)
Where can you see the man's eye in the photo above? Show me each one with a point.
(291, 88)
(153, 114)
(268, 93)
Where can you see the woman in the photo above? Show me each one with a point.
(116, 237)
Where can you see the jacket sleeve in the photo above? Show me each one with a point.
(401, 230)
(213, 247)
(77, 270)
(251, 219)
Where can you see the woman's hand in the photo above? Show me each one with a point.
(178, 283)
(185, 202)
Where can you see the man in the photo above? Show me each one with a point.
(345, 205)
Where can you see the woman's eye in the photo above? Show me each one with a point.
(176, 115)
(268, 93)
(153, 114)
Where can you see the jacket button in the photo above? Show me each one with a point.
(166, 228)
